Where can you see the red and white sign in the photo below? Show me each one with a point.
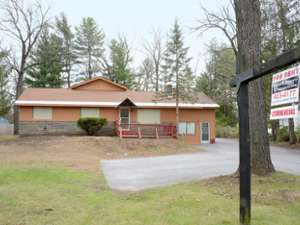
(284, 112)
(285, 86)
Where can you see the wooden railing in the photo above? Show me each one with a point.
(136, 130)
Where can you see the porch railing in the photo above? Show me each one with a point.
(137, 130)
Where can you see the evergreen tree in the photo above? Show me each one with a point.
(64, 31)
(5, 102)
(118, 68)
(47, 64)
(175, 67)
(89, 46)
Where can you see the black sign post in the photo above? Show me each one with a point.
(241, 81)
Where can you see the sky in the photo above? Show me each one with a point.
(137, 19)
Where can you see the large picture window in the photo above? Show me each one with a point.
(186, 128)
(42, 113)
(90, 112)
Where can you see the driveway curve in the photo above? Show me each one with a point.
(218, 159)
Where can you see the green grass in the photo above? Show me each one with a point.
(53, 195)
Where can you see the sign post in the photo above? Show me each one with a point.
(241, 81)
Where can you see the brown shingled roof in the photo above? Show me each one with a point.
(70, 95)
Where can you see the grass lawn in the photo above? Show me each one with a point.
(43, 194)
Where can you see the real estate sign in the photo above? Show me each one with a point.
(285, 86)
(284, 112)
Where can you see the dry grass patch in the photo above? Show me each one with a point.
(85, 152)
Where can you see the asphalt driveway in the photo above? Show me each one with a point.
(218, 159)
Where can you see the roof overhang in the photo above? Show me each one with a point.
(113, 104)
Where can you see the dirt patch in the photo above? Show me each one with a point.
(85, 152)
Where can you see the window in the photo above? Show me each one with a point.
(42, 113)
(186, 128)
(149, 116)
(190, 128)
(90, 112)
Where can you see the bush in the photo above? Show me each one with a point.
(91, 125)
(283, 134)
(227, 132)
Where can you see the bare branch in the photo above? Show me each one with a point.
(223, 21)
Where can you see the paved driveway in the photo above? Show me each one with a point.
(218, 159)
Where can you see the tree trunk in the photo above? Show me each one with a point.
(19, 90)
(275, 128)
(69, 78)
(249, 40)
(156, 79)
(292, 135)
(177, 105)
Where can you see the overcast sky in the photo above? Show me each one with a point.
(136, 19)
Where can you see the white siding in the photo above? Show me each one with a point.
(148, 116)
(42, 113)
(90, 112)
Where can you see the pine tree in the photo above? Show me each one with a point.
(5, 102)
(47, 64)
(89, 46)
(118, 67)
(64, 31)
(176, 69)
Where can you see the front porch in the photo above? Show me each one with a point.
(136, 130)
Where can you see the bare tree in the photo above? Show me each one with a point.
(24, 24)
(155, 51)
(222, 20)
(146, 74)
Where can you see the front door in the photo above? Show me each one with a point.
(205, 132)
(124, 114)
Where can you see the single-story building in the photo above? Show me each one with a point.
(134, 113)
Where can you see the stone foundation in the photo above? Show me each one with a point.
(52, 128)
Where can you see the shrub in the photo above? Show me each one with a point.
(91, 125)
(227, 132)
(283, 134)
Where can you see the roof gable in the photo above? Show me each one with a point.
(99, 84)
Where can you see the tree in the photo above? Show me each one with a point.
(118, 67)
(146, 75)
(64, 31)
(24, 24)
(240, 36)
(176, 70)
(214, 81)
(223, 21)
(5, 101)
(47, 62)
(89, 46)
(155, 52)
(248, 19)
